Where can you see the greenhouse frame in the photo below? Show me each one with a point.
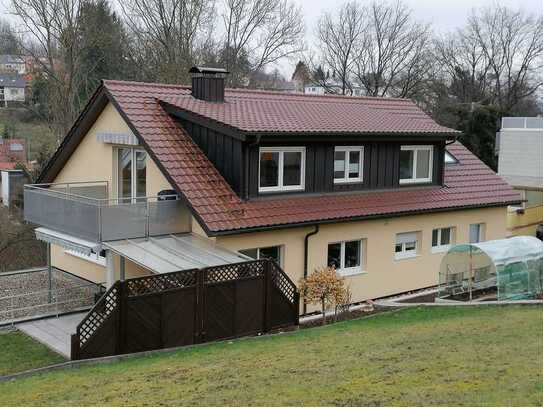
(507, 269)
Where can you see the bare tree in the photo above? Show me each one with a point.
(512, 43)
(463, 67)
(169, 33)
(50, 31)
(339, 39)
(393, 57)
(259, 33)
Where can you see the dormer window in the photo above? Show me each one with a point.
(416, 164)
(348, 164)
(281, 169)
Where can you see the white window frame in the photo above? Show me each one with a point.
(406, 254)
(133, 181)
(416, 149)
(93, 257)
(347, 150)
(441, 248)
(281, 151)
(258, 257)
(482, 227)
(349, 271)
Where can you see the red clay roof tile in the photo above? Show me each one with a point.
(469, 183)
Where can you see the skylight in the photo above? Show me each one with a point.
(450, 159)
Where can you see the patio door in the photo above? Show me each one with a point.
(131, 175)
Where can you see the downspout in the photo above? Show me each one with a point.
(306, 254)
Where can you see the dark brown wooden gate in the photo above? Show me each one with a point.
(187, 307)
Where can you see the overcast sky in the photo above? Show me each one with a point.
(444, 15)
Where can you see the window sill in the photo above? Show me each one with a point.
(347, 182)
(415, 181)
(272, 190)
(406, 256)
(351, 272)
(440, 249)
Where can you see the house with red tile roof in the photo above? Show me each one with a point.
(371, 186)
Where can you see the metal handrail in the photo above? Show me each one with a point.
(100, 201)
(54, 290)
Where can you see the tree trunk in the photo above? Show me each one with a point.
(323, 312)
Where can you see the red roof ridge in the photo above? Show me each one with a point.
(264, 92)
(146, 84)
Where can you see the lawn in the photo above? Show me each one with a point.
(19, 352)
(452, 356)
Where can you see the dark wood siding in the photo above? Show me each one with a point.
(225, 152)
(381, 167)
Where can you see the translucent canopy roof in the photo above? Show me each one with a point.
(504, 269)
(505, 250)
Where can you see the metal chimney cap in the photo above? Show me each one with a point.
(207, 70)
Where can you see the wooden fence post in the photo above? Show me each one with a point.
(267, 295)
(121, 331)
(200, 306)
(74, 348)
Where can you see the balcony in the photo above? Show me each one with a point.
(84, 210)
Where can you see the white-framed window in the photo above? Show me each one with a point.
(407, 245)
(271, 252)
(476, 232)
(281, 169)
(97, 258)
(348, 164)
(416, 164)
(131, 174)
(442, 239)
(346, 257)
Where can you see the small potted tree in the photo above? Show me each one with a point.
(324, 287)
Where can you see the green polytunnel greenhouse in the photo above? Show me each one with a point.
(507, 269)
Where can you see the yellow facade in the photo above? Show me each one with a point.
(94, 160)
(524, 222)
(382, 275)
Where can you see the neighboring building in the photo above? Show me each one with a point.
(12, 64)
(12, 181)
(12, 89)
(333, 89)
(13, 151)
(519, 146)
(372, 186)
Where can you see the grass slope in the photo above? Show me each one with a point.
(19, 352)
(448, 356)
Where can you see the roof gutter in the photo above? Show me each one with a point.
(306, 255)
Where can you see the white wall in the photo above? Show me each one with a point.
(521, 153)
(4, 188)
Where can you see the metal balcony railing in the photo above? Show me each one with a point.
(84, 210)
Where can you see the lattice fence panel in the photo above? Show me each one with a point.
(161, 282)
(232, 272)
(98, 314)
(283, 283)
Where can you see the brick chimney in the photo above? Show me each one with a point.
(208, 83)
